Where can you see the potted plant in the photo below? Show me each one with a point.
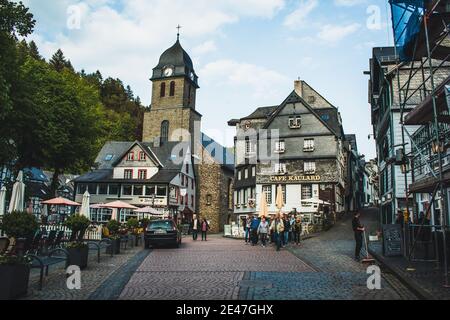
(133, 225)
(78, 250)
(14, 267)
(114, 229)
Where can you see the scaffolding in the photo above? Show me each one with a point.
(421, 35)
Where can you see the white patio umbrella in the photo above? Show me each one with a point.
(2, 200)
(85, 209)
(18, 194)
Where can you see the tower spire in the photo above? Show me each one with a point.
(178, 33)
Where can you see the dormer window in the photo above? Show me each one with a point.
(295, 122)
(130, 156)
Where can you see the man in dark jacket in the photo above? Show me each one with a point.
(254, 231)
(358, 229)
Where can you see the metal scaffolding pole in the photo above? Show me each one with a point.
(437, 136)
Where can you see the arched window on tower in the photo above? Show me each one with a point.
(164, 131)
(163, 89)
(172, 88)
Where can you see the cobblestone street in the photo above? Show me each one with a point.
(321, 268)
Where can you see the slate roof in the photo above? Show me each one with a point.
(175, 56)
(262, 112)
(220, 154)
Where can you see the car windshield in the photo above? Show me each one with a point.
(165, 225)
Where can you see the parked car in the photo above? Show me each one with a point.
(162, 232)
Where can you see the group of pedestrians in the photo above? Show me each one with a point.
(281, 230)
(199, 226)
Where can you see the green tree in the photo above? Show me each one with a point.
(61, 123)
(59, 62)
(15, 20)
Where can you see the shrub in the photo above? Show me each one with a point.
(77, 223)
(11, 260)
(19, 224)
(113, 227)
(132, 223)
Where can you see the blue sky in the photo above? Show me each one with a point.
(247, 53)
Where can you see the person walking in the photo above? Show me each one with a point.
(254, 231)
(287, 226)
(291, 228)
(277, 228)
(195, 227)
(358, 229)
(204, 228)
(248, 223)
(298, 229)
(263, 230)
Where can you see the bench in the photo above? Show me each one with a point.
(44, 262)
(99, 245)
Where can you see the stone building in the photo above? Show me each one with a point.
(299, 145)
(173, 117)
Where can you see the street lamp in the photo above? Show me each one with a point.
(437, 147)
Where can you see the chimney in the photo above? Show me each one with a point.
(298, 85)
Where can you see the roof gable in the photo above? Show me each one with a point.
(144, 149)
(295, 98)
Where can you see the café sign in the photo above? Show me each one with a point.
(295, 178)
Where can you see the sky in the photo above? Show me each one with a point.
(247, 53)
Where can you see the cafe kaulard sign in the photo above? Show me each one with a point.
(295, 178)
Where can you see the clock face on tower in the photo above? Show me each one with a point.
(168, 71)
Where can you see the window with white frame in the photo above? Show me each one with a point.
(295, 122)
(253, 171)
(308, 145)
(142, 156)
(310, 167)
(128, 174)
(246, 174)
(249, 147)
(130, 156)
(280, 146)
(306, 192)
(280, 168)
(268, 192)
(239, 175)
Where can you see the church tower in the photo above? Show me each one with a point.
(174, 87)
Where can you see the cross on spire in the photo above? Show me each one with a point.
(178, 33)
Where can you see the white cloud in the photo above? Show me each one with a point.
(205, 47)
(348, 3)
(257, 81)
(298, 17)
(335, 33)
(125, 40)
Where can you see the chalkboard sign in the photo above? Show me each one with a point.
(392, 240)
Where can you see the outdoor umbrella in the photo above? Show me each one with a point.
(263, 210)
(279, 201)
(18, 194)
(149, 210)
(61, 202)
(2, 200)
(85, 210)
